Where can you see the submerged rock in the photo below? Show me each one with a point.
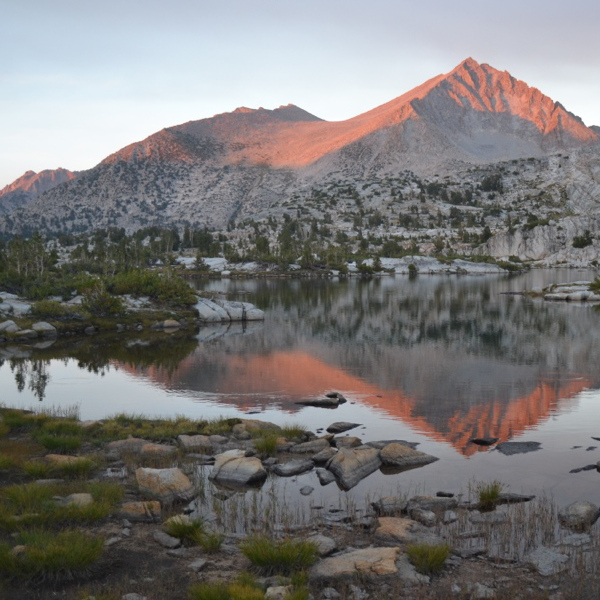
(341, 426)
(578, 515)
(510, 448)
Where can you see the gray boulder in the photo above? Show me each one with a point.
(399, 455)
(341, 426)
(351, 465)
(166, 485)
(369, 563)
(44, 329)
(293, 467)
(578, 515)
(234, 468)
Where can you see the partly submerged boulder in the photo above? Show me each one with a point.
(235, 469)
(351, 465)
(166, 485)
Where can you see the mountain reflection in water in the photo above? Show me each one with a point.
(451, 357)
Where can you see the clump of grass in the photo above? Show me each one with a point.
(36, 469)
(266, 445)
(194, 531)
(78, 469)
(184, 528)
(4, 429)
(293, 431)
(50, 555)
(219, 425)
(35, 505)
(223, 591)
(7, 462)
(428, 559)
(211, 542)
(488, 494)
(271, 556)
(59, 443)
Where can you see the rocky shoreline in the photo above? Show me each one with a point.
(522, 548)
(19, 323)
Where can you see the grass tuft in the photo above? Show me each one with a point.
(223, 591)
(293, 431)
(49, 555)
(284, 557)
(488, 494)
(428, 559)
(266, 445)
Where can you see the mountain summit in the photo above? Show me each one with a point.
(474, 113)
(212, 171)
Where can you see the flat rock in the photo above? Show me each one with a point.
(80, 499)
(9, 327)
(171, 324)
(166, 540)
(64, 459)
(399, 455)
(547, 561)
(151, 449)
(379, 444)
(193, 443)
(395, 531)
(311, 447)
(141, 512)
(408, 574)
(166, 485)
(321, 402)
(44, 329)
(341, 426)
(347, 442)
(352, 465)
(370, 563)
(432, 503)
(390, 505)
(484, 441)
(321, 458)
(325, 545)
(510, 448)
(425, 517)
(293, 467)
(578, 515)
(325, 477)
(234, 468)
(130, 445)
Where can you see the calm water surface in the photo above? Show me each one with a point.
(436, 360)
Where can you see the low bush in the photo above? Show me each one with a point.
(271, 556)
(167, 290)
(428, 559)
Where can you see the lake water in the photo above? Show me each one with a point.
(436, 360)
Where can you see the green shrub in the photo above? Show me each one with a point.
(100, 303)
(168, 290)
(51, 555)
(51, 310)
(59, 443)
(271, 556)
(428, 559)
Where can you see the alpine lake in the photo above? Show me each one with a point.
(434, 360)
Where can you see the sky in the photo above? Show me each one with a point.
(81, 79)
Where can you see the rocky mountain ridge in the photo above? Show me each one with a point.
(252, 166)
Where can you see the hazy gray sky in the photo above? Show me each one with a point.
(80, 79)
